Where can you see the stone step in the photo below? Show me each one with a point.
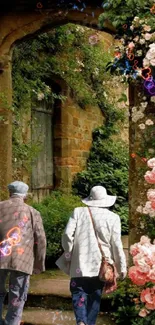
(39, 316)
(55, 293)
(56, 302)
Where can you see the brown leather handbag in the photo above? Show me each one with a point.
(107, 272)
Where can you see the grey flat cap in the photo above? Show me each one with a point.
(18, 187)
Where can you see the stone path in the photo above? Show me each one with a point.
(57, 317)
(49, 300)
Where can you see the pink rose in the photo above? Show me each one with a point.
(137, 277)
(151, 163)
(145, 240)
(151, 276)
(148, 297)
(140, 262)
(153, 205)
(134, 249)
(150, 176)
(143, 312)
(147, 36)
(151, 194)
(146, 28)
(131, 45)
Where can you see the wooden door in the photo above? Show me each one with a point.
(42, 133)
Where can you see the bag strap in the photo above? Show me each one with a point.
(99, 245)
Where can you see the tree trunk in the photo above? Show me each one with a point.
(5, 128)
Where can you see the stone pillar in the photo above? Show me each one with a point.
(5, 125)
(140, 138)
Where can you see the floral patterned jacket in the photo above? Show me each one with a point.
(22, 237)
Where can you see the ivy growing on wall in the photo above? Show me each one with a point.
(73, 53)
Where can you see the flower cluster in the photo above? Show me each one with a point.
(138, 112)
(143, 272)
(143, 254)
(135, 55)
(149, 176)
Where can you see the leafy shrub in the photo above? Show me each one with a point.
(107, 166)
(55, 211)
(124, 303)
(123, 212)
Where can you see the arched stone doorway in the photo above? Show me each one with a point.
(15, 25)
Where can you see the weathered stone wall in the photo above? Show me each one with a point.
(72, 140)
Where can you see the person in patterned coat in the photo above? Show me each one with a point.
(22, 250)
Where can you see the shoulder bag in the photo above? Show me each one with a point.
(107, 272)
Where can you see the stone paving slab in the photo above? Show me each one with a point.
(40, 316)
(57, 287)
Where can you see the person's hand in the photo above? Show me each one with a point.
(36, 271)
(123, 275)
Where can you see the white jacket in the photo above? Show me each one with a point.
(79, 239)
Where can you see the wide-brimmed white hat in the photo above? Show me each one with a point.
(99, 198)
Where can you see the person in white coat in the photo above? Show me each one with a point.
(83, 256)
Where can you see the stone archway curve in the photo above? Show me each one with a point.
(15, 26)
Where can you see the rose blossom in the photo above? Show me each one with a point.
(136, 18)
(145, 240)
(147, 36)
(143, 312)
(152, 62)
(148, 209)
(153, 205)
(153, 99)
(142, 41)
(146, 28)
(140, 261)
(150, 55)
(149, 122)
(131, 45)
(136, 39)
(151, 194)
(139, 209)
(146, 62)
(150, 176)
(151, 163)
(137, 277)
(142, 126)
(151, 275)
(134, 249)
(148, 297)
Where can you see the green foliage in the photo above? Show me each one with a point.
(124, 303)
(66, 53)
(55, 211)
(121, 12)
(127, 305)
(107, 166)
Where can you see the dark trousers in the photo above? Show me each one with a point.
(86, 298)
(18, 289)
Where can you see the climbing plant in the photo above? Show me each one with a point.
(134, 59)
(73, 53)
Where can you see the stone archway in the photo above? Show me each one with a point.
(15, 26)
